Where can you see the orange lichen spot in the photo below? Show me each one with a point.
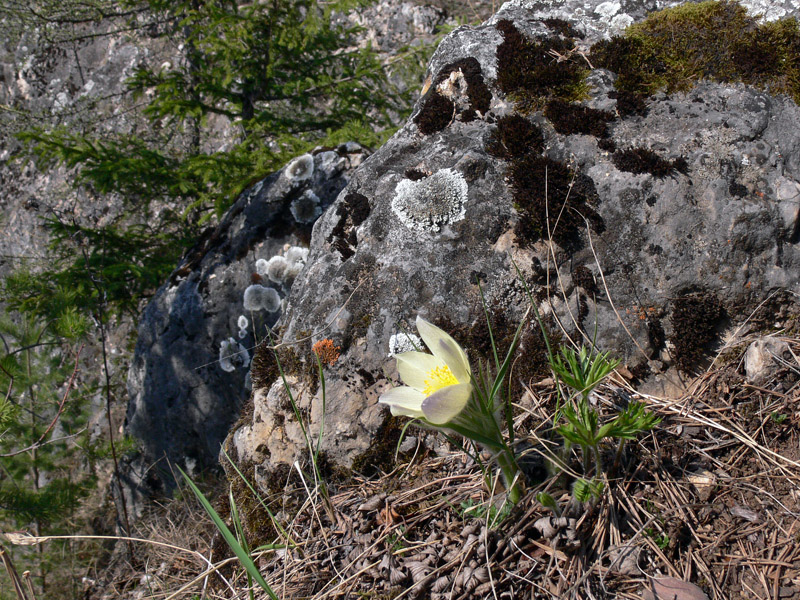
(326, 351)
(642, 312)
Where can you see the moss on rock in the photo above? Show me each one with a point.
(570, 118)
(695, 317)
(529, 72)
(673, 49)
(642, 160)
(553, 200)
(440, 104)
(380, 456)
(514, 137)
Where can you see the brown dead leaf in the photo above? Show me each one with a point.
(670, 588)
(387, 516)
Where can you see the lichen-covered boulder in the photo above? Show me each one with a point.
(190, 372)
(646, 215)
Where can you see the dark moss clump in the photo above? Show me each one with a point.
(552, 199)
(570, 118)
(514, 137)
(695, 318)
(415, 174)
(530, 358)
(379, 457)
(629, 103)
(607, 144)
(331, 471)
(480, 98)
(642, 160)
(563, 27)
(582, 277)
(781, 306)
(655, 333)
(352, 212)
(437, 112)
(673, 49)
(264, 370)
(737, 189)
(529, 73)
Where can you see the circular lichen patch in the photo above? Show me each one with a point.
(430, 203)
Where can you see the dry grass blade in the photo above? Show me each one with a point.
(19, 590)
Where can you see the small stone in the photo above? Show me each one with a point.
(761, 359)
(704, 482)
(624, 559)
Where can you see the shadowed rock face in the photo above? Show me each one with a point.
(185, 394)
(189, 376)
(669, 224)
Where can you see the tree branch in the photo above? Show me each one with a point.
(62, 405)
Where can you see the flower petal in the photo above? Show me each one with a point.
(399, 411)
(444, 405)
(415, 368)
(404, 401)
(445, 348)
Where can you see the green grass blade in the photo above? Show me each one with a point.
(501, 373)
(321, 434)
(489, 326)
(258, 497)
(237, 525)
(402, 437)
(244, 558)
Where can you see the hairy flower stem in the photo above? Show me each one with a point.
(617, 457)
(598, 462)
(586, 453)
(511, 474)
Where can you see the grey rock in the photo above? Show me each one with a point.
(389, 25)
(762, 358)
(187, 379)
(663, 262)
(599, 19)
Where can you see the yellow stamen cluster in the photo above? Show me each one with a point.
(437, 379)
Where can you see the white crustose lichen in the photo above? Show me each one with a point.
(301, 168)
(430, 203)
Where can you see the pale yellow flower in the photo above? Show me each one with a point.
(438, 385)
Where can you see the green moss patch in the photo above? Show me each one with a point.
(530, 72)
(258, 526)
(673, 49)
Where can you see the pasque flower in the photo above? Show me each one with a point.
(438, 385)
